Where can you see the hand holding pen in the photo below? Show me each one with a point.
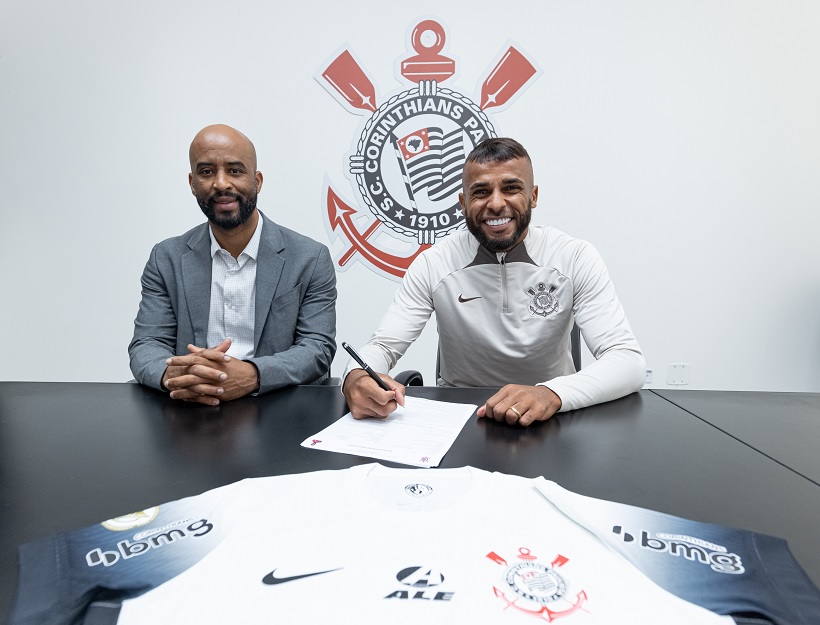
(363, 399)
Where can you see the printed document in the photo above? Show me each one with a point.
(418, 434)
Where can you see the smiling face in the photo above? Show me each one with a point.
(497, 199)
(223, 176)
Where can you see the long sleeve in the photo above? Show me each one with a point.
(619, 366)
(402, 323)
(155, 328)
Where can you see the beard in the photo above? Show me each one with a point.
(522, 221)
(228, 222)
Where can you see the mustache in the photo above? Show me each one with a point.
(213, 197)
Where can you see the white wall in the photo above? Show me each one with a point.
(681, 137)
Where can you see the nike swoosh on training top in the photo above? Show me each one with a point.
(464, 300)
(272, 580)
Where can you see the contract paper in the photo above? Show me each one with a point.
(418, 434)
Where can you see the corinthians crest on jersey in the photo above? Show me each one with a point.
(543, 301)
(408, 155)
(536, 588)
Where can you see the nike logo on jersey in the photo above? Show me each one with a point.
(271, 580)
(464, 300)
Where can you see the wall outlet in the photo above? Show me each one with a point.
(677, 373)
(648, 378)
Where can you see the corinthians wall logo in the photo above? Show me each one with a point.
(408, 153)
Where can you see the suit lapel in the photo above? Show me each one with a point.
(269, 267)
(196, 282)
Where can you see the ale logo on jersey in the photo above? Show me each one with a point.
(536, 588)
(420, 576)
(408, 154)
(421, 580)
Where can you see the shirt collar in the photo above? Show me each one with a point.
(251, 249)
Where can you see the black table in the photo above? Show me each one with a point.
(75, 454)
(783, 426)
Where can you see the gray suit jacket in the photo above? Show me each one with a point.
(295, 322)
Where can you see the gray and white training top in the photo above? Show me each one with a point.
(505, 318)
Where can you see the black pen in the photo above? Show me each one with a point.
(366, 366)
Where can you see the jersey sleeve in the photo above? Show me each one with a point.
(726, 570)
(67, 578)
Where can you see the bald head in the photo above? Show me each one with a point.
(223, 176)
(224, 137)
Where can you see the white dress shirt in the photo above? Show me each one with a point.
(233, 296)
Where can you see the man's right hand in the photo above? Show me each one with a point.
(366, 399)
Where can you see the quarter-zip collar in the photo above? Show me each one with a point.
(518, 254)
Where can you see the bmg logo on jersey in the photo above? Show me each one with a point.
(127, 549)
(421, 578)
(693, 549)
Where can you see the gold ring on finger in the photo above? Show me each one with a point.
(513, 408)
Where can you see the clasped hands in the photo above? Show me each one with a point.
(514, 403)
(209, 376)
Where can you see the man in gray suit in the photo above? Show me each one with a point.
(239, 305)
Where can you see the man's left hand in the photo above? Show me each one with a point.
(516, 403)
